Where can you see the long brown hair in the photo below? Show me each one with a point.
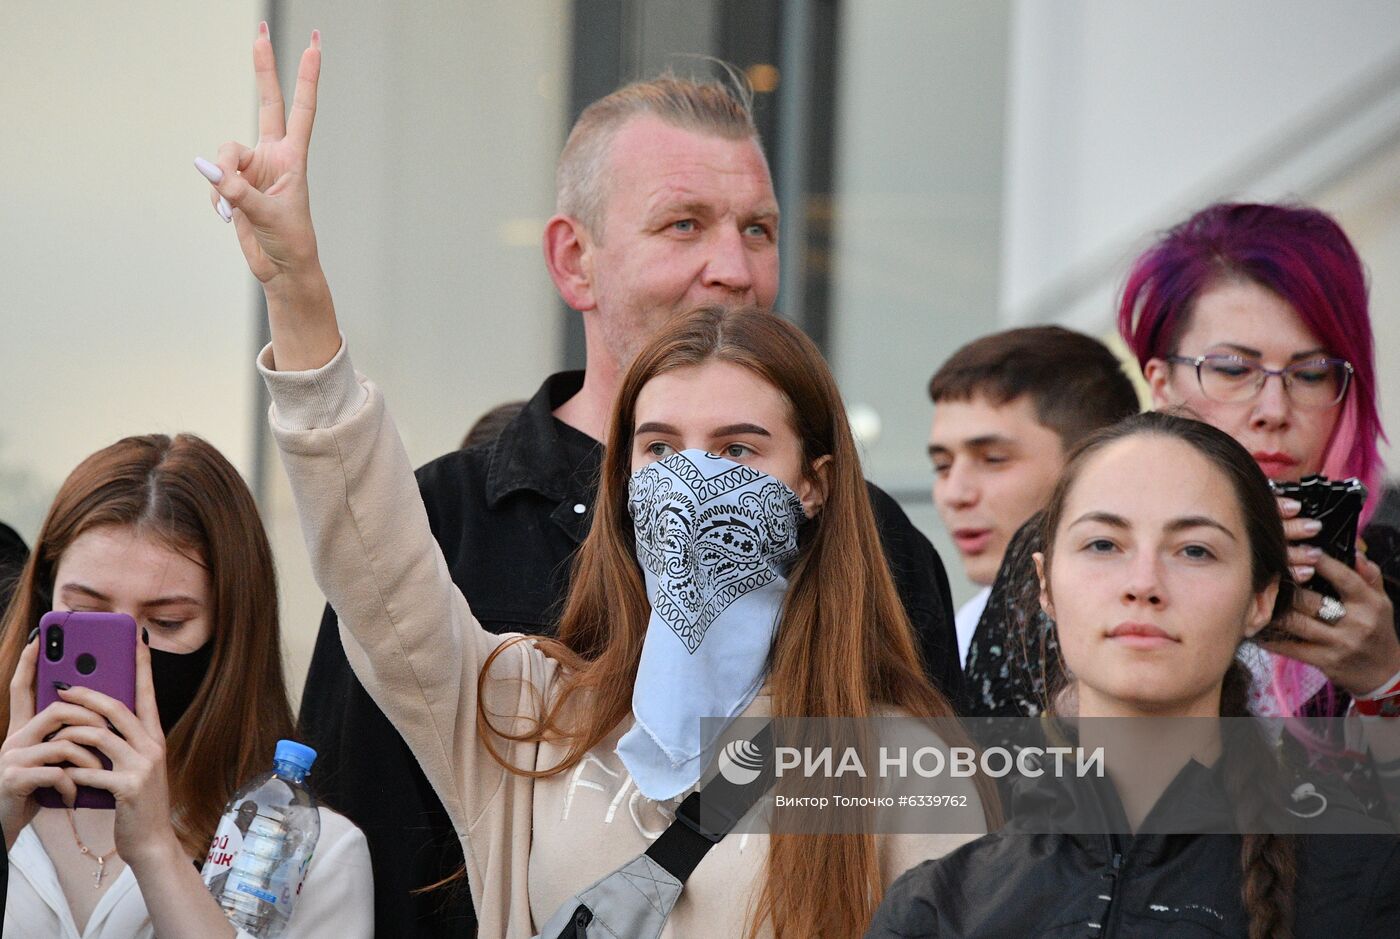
(844, 645)
(185, 493)
(1268, 861)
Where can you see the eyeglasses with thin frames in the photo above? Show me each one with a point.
(1315, 384)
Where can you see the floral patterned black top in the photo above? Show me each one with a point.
(1015, 641)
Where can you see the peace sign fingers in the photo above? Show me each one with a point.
(304, 101)
(271, 111)
(273, 123)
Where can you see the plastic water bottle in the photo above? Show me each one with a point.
(264, 844)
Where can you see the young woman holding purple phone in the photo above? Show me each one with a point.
(164, 530)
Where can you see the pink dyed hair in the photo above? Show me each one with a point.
(1303, 256)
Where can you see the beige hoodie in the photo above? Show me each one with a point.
(413, 642)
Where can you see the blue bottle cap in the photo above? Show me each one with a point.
(297, 754)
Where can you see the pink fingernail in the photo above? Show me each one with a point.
(1303, 573)
(225, 210)
(315, 39)
(208, 170)
(1311, 526)
(1291, 505)
(262, 29)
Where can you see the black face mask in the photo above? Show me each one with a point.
(177, 677)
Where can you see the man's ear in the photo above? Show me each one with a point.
(815, 486)
(1158, 373)
(1046, 603)
(568, 252)
(1261, 609)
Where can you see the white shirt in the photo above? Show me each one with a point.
(966, 621)
(337, 898)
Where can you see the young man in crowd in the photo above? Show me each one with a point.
(1008, 408)
(664, 202)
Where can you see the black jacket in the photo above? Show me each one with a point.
(1014, 883)
(13, 553)
(509, 515)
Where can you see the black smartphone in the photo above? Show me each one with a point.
(1337, 505)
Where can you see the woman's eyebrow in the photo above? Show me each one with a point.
(100, 597)
(1175, 525)
(1105, 518)
(654, 427)
(730, 429)
(1309, 354)
(166, 601)
(1250, 353)
(1197, 521)
(1238, 349)
(86, 591)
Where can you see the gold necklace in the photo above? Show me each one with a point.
(101, 859)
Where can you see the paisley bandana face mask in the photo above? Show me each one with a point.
(716, 540)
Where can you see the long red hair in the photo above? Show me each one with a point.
(844, 645)
(184, 492)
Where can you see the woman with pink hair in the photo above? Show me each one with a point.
(1236, 296)
(1219, 307)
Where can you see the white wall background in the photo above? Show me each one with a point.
(121, 309)
(1002, 164)
(432, 173)
(125, 303)
(916, 223)
(1123, 118)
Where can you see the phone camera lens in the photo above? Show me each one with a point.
(53, 643)
(86, 663)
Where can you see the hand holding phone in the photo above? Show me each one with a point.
(88, 650)
(1337, 505)
(31, 752)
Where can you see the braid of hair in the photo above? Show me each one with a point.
(1269, 862)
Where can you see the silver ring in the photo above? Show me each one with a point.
(1331, 611)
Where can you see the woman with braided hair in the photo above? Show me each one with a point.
(1199, 832)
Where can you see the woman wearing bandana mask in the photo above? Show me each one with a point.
(699, 591)
(732, 568)
(164, 530)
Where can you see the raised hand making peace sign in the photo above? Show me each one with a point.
(262, 190)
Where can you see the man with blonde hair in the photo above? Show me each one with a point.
(664, 203)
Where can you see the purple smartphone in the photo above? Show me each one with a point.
(94, 650)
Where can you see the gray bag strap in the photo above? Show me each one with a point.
(634, 901)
